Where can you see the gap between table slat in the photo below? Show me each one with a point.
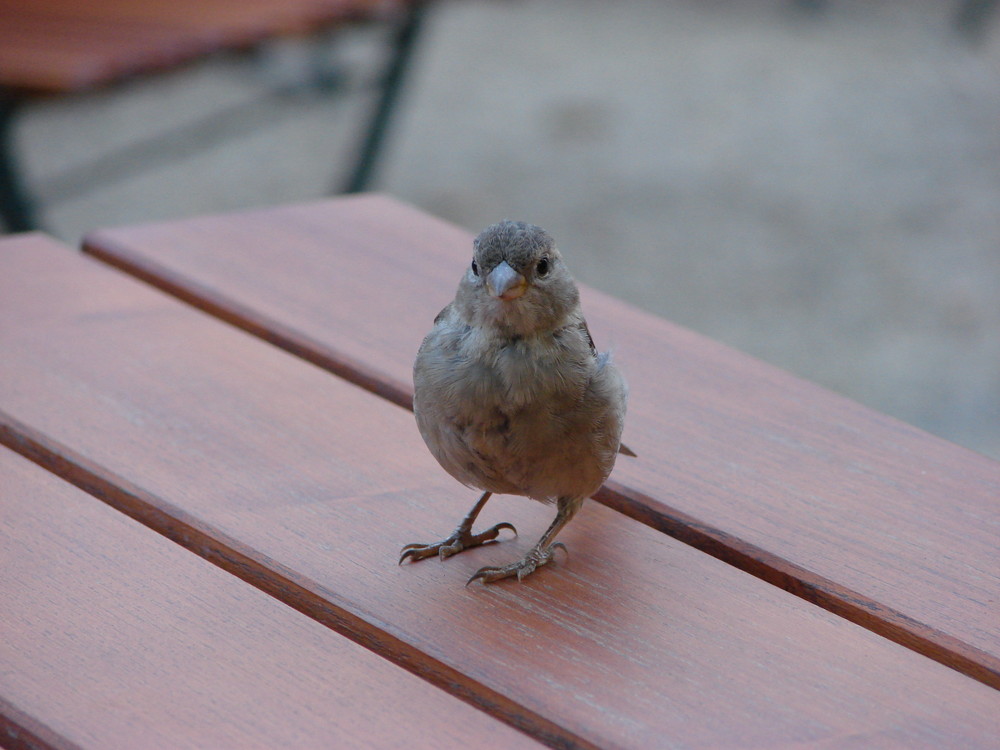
(19, 731)
(805, 584)
(269, 576)
(759, 562)
(253, 322)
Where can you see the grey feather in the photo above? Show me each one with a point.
(511, 395)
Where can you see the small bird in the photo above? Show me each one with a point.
(510, 394)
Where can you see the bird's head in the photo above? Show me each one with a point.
(517, 282)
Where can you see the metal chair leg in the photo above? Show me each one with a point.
(16, 207)
(391, 85)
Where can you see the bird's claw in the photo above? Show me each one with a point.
(522, 568)
(460, 540)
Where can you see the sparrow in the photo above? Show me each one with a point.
(511, 395)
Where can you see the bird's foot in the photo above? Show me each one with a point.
(524, 567)
(459, 540)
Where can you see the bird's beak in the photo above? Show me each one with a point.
(506, 283)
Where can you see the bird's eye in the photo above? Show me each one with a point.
(475, 269)
(543, 267)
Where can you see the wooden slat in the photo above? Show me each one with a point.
(308, 486)
(114, 637)
(65, 45)
(868, 517)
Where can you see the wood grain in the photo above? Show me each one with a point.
(307, 487)
(868, 517)
(65, 45)
(115, 637)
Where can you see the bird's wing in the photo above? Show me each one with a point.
(622, 448)
(444, 313)
(590, 339)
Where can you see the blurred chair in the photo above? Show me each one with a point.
(58, 47)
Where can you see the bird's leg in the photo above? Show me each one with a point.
(540, 554)
(460, 539)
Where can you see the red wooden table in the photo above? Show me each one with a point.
(59, 47)
(204, 550)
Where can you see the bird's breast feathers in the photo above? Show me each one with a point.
(501, 414)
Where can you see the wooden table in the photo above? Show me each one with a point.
(779, 566)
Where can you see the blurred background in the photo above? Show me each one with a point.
(817, 184)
